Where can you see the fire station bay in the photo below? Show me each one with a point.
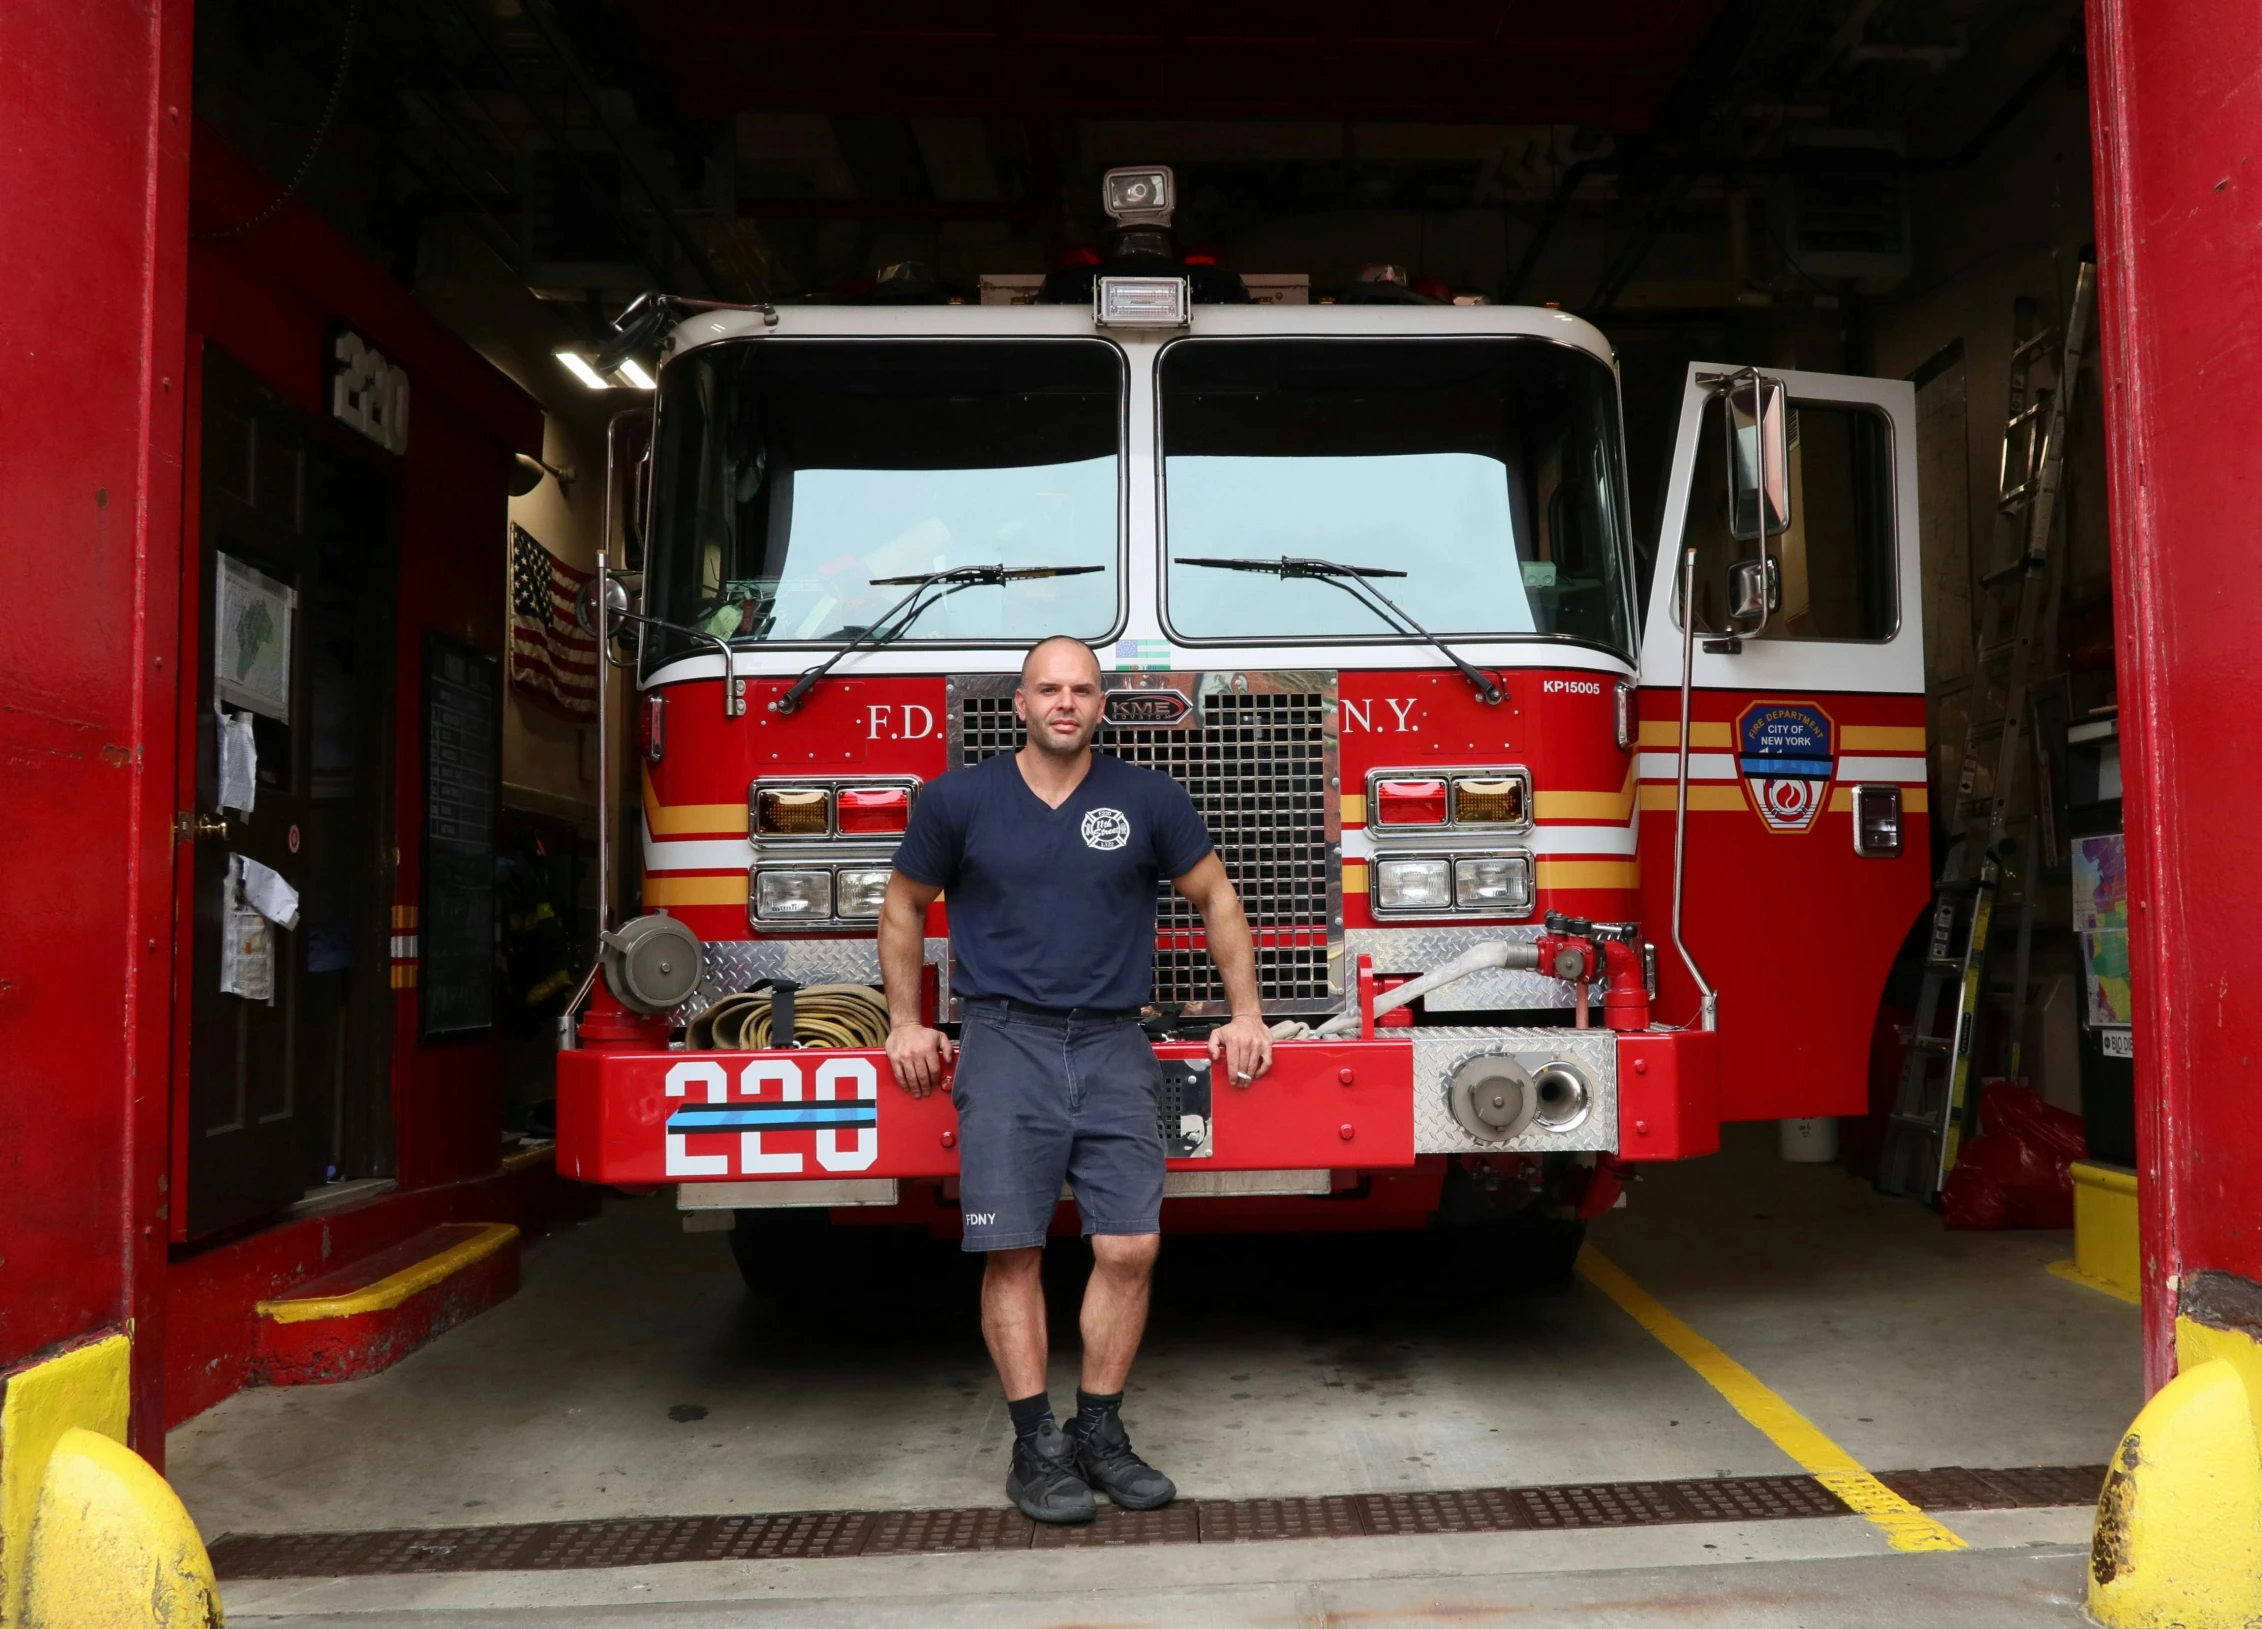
(1255, 815)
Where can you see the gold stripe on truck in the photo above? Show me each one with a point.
(730, 890)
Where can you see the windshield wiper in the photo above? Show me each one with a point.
(897, 618)
(1353, 580)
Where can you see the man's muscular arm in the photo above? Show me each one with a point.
(916, 1053)
(1245, 1043)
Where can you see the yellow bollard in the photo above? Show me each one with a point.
(2178, 1540)
(111, 1547)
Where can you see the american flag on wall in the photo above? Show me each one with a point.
(551, 658)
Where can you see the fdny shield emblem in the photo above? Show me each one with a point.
(1783, 750)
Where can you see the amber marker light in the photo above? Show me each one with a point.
(792, 811)
(1488, 800)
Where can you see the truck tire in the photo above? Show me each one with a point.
(1527, 1254)
(781, 1253)
(1530, 1250)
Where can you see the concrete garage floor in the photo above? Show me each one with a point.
(634, 1376)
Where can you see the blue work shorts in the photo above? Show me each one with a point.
(1045, 1098)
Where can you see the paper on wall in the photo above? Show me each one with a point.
(267, 893)
(247, 941)
(239, 761)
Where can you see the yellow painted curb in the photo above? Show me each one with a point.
(519, 1159)
(2178, 1542)
(83, 1387)
(390, 1291)
(111, 1547)
(2071, 1272)
(1905, 1526)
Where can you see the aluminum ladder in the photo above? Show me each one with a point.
(1991, 853)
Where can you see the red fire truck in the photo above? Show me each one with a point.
(1547, 879)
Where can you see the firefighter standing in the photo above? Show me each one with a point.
(1051, 856)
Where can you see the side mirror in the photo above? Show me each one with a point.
(585, 603)
(1759, 456)
(1755, 589)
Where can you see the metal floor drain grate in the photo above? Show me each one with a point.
(2025, 1487)
(640, 1541)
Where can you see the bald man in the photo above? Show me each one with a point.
(1051, 856)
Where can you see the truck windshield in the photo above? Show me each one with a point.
(1488, 470)
(790, 473)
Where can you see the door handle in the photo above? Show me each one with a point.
(189, 825)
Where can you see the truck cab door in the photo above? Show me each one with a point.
(1792, 908)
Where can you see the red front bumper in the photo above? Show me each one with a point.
(635, 1117)
(646, 1117)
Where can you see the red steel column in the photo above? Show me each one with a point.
(2176, 119)
(94, 118)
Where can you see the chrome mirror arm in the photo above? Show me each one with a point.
(1708, 999)
(603, 605)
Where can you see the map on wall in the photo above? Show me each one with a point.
(251, 639)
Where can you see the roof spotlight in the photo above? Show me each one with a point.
(1140, 195)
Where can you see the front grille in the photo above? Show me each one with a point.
(1257, 755)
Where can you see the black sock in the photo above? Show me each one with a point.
(1030, 1415)
(1095, 1409)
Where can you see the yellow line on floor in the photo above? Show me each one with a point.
(1905, 1527)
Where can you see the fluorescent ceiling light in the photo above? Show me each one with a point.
(580, 369)
(633, 371)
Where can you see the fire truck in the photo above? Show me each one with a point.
(1561, 842)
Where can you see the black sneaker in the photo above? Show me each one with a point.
(1105, 1456)
(1043, 1481)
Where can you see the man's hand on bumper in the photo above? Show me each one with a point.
(1245, 1046)
(918, 1055)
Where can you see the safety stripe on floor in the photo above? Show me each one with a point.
(637, 1541)
(1905, 1526)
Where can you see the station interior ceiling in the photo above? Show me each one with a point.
(1662, 167)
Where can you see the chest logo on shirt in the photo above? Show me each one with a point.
(1106, 829)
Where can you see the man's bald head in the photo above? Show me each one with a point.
(1060, 696)
(1046, 651)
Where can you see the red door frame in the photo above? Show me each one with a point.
(94, 113)
(2175, 121)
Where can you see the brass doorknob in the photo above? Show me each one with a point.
(188, 826)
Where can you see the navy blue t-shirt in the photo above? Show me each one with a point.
(1055, 907)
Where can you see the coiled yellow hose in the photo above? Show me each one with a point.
(848, 1016)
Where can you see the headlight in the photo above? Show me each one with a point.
(1414, 885)
(793, 896)
(792, 811)
(1503, 884)
(859, 893)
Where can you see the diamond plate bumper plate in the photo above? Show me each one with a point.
(1418, 950)
(739, 964)
(1437, 1052)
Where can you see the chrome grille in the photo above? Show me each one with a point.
(1257, 753)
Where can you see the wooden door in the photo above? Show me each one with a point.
(285, 1088)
